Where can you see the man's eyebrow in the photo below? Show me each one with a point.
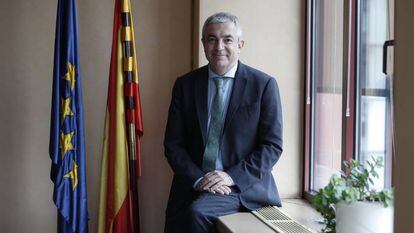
(211, 36)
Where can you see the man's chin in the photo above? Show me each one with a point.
(219, 68)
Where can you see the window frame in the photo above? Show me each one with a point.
(350, 90)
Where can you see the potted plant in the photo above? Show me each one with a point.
(349, 200)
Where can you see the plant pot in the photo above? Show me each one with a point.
(364, 217)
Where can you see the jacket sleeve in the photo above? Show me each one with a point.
(175, 141)
(269, 142)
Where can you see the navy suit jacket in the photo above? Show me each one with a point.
(251, 141)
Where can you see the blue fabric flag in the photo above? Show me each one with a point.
(67, 146)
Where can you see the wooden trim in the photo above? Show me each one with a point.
(195, 35)
(308, 195)
(349, 64)
(391, 127)
(307, 101)
(351, 120)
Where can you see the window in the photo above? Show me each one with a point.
(348, 98)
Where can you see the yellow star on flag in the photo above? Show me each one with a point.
(66, 142)
(73, 175)
(65, 106)
(70, 75)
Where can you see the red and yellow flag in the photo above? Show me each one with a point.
(118, 208)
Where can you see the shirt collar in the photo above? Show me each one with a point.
(230, 74)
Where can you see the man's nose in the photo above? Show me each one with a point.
(219, 45)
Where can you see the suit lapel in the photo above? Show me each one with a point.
(201, 97)
(236, 94)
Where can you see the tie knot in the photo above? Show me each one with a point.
(220, 81)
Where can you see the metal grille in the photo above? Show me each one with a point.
(269, 213)
(279, 221)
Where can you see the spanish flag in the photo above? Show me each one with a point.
(119, 208)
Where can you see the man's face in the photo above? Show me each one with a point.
(222, 46)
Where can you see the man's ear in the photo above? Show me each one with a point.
(240, 44)
(204, 44)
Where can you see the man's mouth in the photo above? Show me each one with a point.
(220, 55)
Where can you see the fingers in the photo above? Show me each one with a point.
(223, 190)
(226, 189)
(215, 182)
(212, 178)
(209, 180)
(207, 183)
(217, 185)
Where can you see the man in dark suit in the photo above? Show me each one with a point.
(223, 135)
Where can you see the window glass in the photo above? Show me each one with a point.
(327, 91)
(374, 136)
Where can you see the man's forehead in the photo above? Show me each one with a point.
(220, 35)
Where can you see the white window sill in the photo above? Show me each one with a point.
(298, 209)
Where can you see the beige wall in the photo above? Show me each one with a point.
(163, 34)
(274, 43)
(404, 116)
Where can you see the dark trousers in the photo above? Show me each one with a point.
(202, 214)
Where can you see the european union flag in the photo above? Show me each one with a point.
(67, 146)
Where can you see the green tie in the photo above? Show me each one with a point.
(216, 126)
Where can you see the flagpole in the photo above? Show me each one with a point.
(127, 54)
(133, 182)
(129, 70)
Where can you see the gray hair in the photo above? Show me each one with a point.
(222, 17)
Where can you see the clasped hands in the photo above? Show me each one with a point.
(216, 182)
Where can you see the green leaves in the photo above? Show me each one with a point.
(351, 187)
(386, 197)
